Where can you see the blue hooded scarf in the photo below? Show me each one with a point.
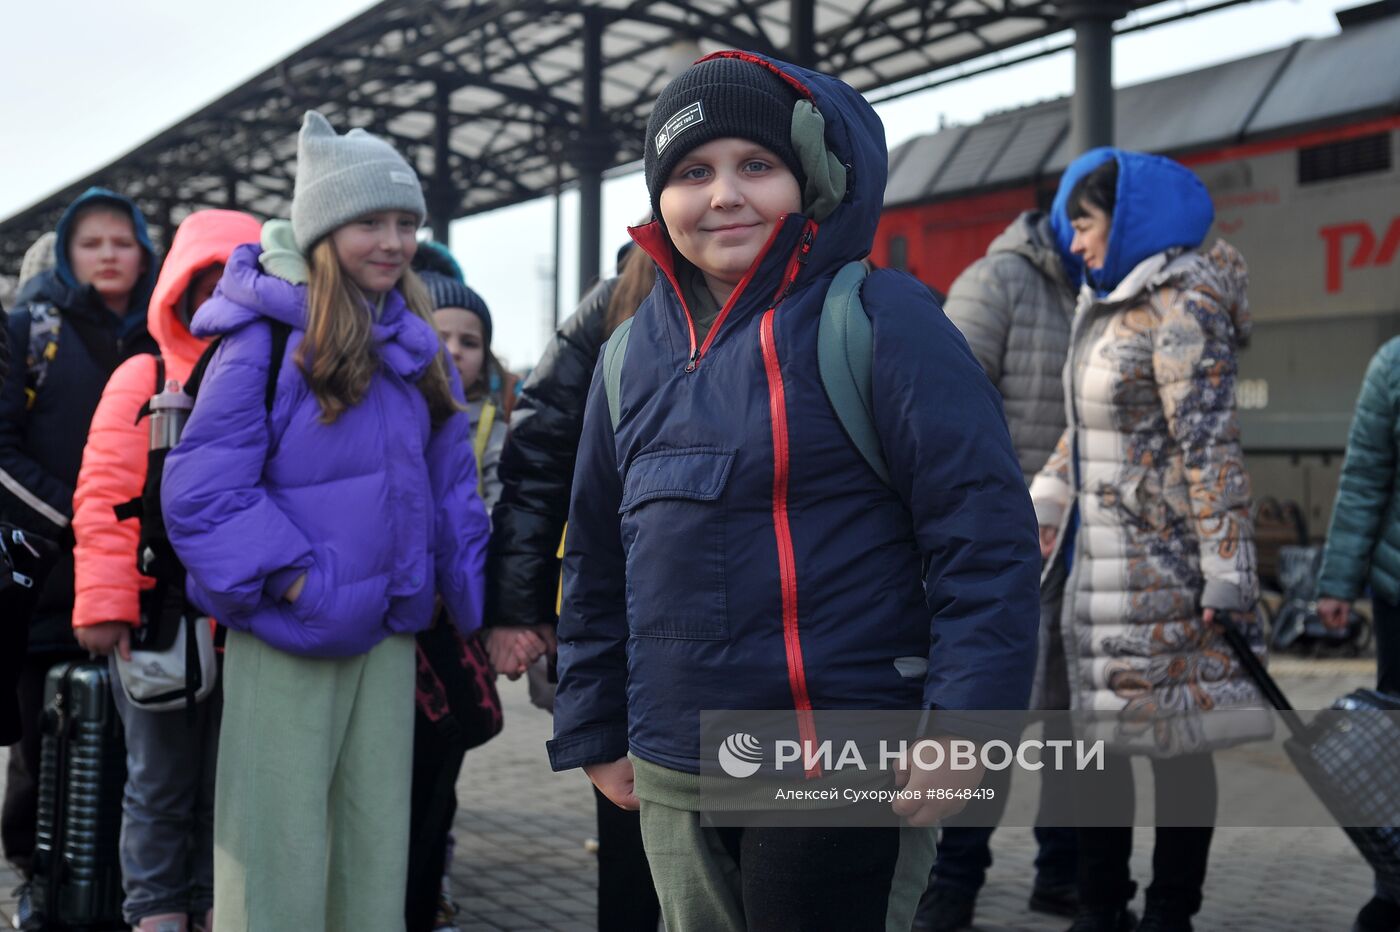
(135, 317)
(1161, 204)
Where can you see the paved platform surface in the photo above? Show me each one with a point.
(521, 861)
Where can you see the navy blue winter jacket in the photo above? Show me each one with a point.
(41, 446)
(728, 547)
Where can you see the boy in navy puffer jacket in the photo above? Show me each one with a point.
(729, 547)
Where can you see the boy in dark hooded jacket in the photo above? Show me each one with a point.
(78, 321)
(730, 548)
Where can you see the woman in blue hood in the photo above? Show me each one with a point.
(76, 323)
(1147, 495)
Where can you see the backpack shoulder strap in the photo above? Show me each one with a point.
(44, 324)
(136, 507)
(281, 333)
(160, 387)
(480, 442)
(196, 378)
(845, 356)
(614, 352)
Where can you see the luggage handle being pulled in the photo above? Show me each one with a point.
(1267, 685)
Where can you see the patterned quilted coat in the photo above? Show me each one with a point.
(1147, 484)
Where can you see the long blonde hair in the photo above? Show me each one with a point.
(337, 355)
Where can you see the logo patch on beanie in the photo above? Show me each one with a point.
(687, 117)
(402, 178)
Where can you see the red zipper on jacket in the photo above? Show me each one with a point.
(697, 354)
(650, 239)
(796, 261)
(782, 528)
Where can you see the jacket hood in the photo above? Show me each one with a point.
(1220, 271)
(405, 342)
(205, 238)
(1033, 236)
(1161, 204)
(1218, 274)
(141, 295)
(855, 137)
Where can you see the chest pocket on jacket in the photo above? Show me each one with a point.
(673, 519)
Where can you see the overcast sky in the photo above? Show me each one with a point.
(85, 82)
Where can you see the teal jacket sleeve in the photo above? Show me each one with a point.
(1368, 477)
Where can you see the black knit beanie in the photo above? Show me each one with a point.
(449, 292)
(714, 99)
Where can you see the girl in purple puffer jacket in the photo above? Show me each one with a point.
(319, 532)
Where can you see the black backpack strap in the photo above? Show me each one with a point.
(281, 333)
(134, 508)
(160, 387)
(197, 373)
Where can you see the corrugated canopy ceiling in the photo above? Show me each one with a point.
(505, 77)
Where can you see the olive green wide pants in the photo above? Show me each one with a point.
(311, 804)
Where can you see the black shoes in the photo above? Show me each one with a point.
(1164, 922)
(1378, 915)
(944, 908)
(1055, 900)
(24, 917)
(947, 908)
(1101, 919)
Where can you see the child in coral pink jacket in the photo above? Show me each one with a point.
(168, 810)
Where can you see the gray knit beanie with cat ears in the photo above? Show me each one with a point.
(341, 178)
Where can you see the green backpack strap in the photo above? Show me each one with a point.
(845, 351)
(614, 352)
(845, 356)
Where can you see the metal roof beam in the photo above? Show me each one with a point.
(514, 73)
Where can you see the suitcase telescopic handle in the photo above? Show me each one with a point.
(1268, 686)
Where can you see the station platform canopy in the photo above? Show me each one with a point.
(502, 101)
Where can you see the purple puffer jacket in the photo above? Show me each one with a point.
(378, 509)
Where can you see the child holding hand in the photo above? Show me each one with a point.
(321, 533)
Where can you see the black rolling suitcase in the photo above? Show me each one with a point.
(1349, 756)
(77, 874)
